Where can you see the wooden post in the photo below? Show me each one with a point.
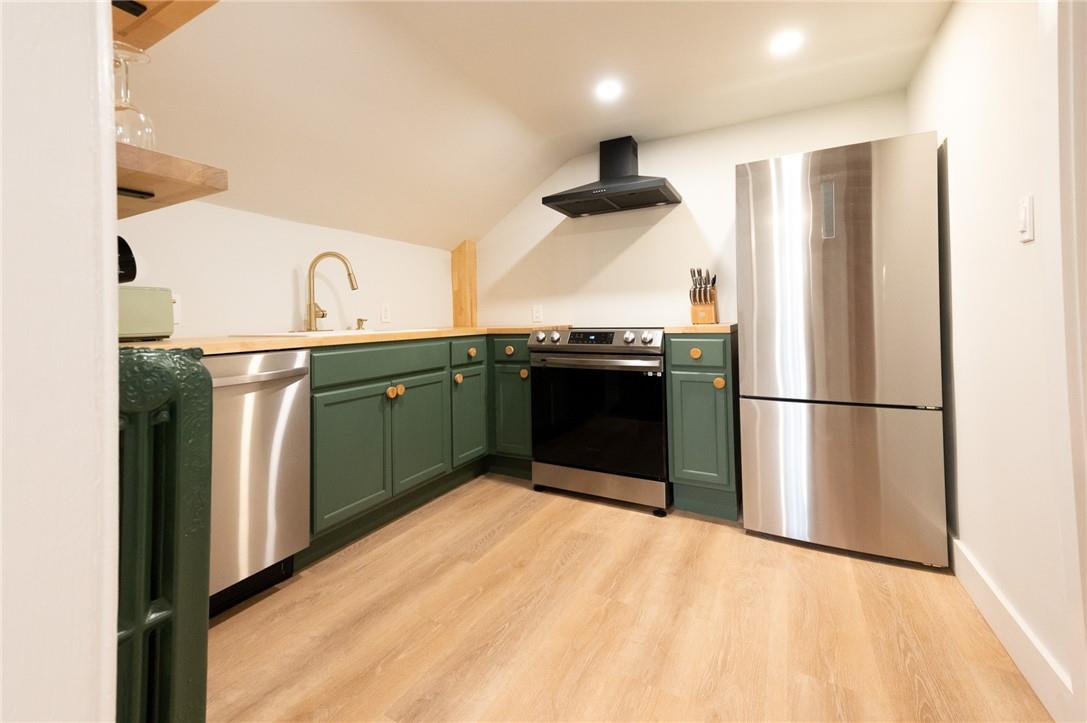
(464, 284)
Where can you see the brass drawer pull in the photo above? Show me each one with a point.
(458, 378)
(391, 392)
(719, 383)
(400, 389)
(696, 353)
(472, 352)
(523, 373)
(509, 350)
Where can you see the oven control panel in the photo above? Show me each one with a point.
(632, 340)
(591, 337)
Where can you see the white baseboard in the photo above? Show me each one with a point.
(1049, 679)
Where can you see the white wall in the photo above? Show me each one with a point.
(236, 272)
(58, 365)
(632, 267)
(988, 87)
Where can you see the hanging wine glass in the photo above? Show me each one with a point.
(132, 125)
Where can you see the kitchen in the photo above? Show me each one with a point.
(453, 562)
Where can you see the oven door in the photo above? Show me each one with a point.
(601, 413)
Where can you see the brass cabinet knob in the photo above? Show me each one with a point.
(696, 353)
(391, 392)
(509, 350)
(400, 389)
(458, 378)
(472, 351)
(719, 383)
(523, 373)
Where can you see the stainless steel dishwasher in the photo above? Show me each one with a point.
(260, 462)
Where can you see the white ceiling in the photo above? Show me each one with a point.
(426, 122)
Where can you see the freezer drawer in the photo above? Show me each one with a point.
(869, 479)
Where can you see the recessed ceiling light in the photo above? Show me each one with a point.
(608, 90)
(786, 43)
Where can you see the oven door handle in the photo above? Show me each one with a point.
(617, 363)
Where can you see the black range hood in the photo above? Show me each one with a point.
(620, 188)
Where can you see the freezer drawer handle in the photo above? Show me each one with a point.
(259, 377)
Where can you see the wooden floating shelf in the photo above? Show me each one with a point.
(155, 21)
(149, 180)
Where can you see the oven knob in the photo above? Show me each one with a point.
(628, 337)
(541, 335)
(555, 336)
(647, 337)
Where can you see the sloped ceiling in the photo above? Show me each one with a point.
(426, 122)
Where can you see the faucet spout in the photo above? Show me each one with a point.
(313, 309)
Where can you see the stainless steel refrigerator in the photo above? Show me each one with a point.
(841, 408)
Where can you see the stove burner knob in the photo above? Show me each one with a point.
(628, 337)
(555, 336)
(541, 335)
(647, 337)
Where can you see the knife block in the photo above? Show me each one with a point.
(705, 313)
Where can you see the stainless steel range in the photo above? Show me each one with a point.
(598, 422)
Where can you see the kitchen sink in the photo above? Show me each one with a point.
(322, 332)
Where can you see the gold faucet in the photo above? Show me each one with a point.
(313, 309)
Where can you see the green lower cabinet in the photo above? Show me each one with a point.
(352, 460)
(421, 440)
(701, 444)
(512, 410)
(469, 413)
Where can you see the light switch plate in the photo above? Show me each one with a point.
(1026, 219)
(386, 314)
(537, 312)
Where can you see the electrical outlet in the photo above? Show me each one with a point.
(177, 309)
(386, 314)
(537, 312)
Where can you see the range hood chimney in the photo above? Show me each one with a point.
(620, 188)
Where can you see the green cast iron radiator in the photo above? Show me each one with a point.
(165, 461)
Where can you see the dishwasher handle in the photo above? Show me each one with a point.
(255, 377)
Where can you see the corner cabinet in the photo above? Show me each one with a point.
(702, 429)
(512, 397)
(470, 416)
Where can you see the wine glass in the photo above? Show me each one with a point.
(132, 125)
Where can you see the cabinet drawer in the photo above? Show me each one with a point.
(343, 365)
(510, 348)
(470, 350)
(710, 352)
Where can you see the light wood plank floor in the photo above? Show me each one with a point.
(495, 602)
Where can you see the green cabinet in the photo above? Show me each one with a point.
(702, 425)
(352, 452)
(469, 400)
(420, 429)
(699, 427)
(512, 410)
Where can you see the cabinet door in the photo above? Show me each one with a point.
(351, 463)
(512, 410)
(421, 440)
(700, 428)
(469, 413)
